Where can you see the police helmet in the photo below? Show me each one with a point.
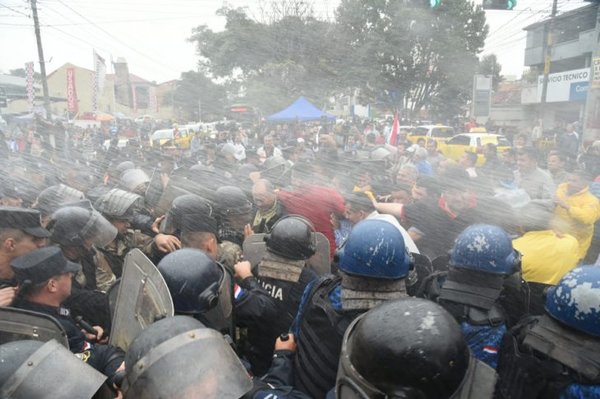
(376, 249)
(134, 180)
(76, 226)
(231, 200)
(178, 357)
(34, 369)
(53, 197)
(292, 237)
(119, 204)
(485, 248)
(575, 300)
(189, 212)
(407, 348)
(199, 286)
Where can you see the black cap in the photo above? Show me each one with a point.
(40, 265)
(27, 220)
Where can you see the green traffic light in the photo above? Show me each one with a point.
(434, 3)
(510, 4)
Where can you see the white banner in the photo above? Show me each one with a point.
(29, 82)
(565, 86)
(99, 79)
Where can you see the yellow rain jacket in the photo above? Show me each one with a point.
(579, 219)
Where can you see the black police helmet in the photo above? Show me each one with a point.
(232, 200)
(405, 348)
(199, 286)
(292, 237)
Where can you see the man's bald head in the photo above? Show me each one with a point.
(263, 194)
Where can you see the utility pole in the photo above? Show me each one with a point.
(591, 116)
(547, 59)
(38, 39)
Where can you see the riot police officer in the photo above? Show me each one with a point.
(284, 274)
(178, 357)
(78, 231)
(410, 348)
(45, 280)
(53, 197)
(200, 287)
(373, 267)
(20, 232)
(119, 207)
(234, 213)
(480, 261)
(556, 355)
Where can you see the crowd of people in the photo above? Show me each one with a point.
(305, 261)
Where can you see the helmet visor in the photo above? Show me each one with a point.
(212, 369)
(98, 230)
(219, 317)
(349, 383)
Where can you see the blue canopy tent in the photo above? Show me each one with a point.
(300, 111)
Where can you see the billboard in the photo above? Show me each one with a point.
(482, 96)
(565, 86)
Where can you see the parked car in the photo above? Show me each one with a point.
(178, 137)
(456, 146)
(439, 133)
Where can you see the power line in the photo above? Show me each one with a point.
(170, 68)
(14, 10)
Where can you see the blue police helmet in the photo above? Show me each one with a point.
(375, 248)
(485, 248)
(575, 300)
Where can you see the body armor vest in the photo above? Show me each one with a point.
(540, 358)
(322, 329)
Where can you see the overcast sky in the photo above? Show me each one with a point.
(151, 34)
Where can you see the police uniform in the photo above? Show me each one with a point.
(481, 260)
(37, 267)
(286, 290)
(330, 304)
(556, 355)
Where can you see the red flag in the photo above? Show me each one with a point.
(395, 129)
(72, 104)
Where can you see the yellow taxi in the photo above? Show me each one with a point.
(455, 147)
(179, 137)
(439, 133)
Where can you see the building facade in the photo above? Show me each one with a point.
(574, 41)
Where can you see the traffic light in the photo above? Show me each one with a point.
(499, 4)
(435, 3)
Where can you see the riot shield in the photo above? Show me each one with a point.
(52, 371)
(254, 248)
(143, 297)
(19, 324)
(112, 295)
(154, 189)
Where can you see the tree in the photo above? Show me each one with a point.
(22, 73)
(411, 56)
(196, 93)
(272, 63)
(489, 65)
